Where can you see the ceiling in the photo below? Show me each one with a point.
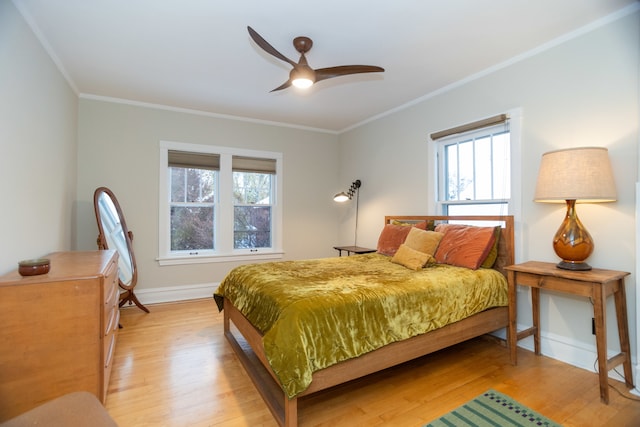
(197, 54)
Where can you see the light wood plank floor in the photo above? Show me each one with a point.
(173, 367)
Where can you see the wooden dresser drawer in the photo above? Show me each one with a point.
(110, 314)
(109, 347)
(111, 320)
(111, 278)
(70, 349)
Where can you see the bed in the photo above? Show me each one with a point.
(299, 327)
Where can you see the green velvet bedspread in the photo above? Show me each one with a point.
(315, 313)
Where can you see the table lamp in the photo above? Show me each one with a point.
(575, 175)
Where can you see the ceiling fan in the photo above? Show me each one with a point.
(302, 75)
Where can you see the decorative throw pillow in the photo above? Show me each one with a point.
(493, 253)
(391, 237)
(421, 225)
(464, 245)
(410, 258)
(423, 241)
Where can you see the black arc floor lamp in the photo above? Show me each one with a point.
(343, 197)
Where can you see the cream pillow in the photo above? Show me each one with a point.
(423, 241)
(410, 258)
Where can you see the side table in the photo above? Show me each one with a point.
(596, 284)
(353, 250)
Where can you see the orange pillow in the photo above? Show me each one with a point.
(464, 245)
(391, 237)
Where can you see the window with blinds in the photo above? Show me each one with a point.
(473, 163)
(252, 198)
(193, 183)
(217, 202)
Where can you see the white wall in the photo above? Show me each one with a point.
(582, 92)
(38, 113)
(119, 148)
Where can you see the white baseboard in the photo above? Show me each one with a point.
(573, 352)
(636, 375)
(176, 293)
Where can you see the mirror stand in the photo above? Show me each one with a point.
(113, 234)
(131, 298)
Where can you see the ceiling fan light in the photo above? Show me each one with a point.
(302, 83)
(302, 76)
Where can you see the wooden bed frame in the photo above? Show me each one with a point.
(249, 349)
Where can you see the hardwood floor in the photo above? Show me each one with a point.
(173, 367)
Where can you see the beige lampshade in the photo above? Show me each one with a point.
(582, 174)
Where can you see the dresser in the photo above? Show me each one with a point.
(59, 330)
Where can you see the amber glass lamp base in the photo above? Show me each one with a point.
(572, 242)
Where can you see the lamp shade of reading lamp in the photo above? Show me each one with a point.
(576, 175)
(343, 197)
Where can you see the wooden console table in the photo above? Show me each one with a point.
(596, 284)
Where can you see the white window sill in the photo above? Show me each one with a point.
(179, 260)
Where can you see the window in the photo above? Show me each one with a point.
(474, 170)
(218, 204)
(193, 179)
(252, 199)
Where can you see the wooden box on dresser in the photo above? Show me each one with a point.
(58, 330)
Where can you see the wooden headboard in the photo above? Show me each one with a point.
(506, 245)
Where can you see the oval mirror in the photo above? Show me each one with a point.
(113, 234)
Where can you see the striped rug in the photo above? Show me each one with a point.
(492, 409)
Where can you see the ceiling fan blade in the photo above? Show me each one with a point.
(267, 47)
(282, 86)
(343, 70)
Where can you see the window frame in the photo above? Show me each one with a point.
(223, 218)
(269, 205)
(443, 168)
(514, 202)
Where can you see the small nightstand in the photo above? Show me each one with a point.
(353, 250)
(596, 284)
